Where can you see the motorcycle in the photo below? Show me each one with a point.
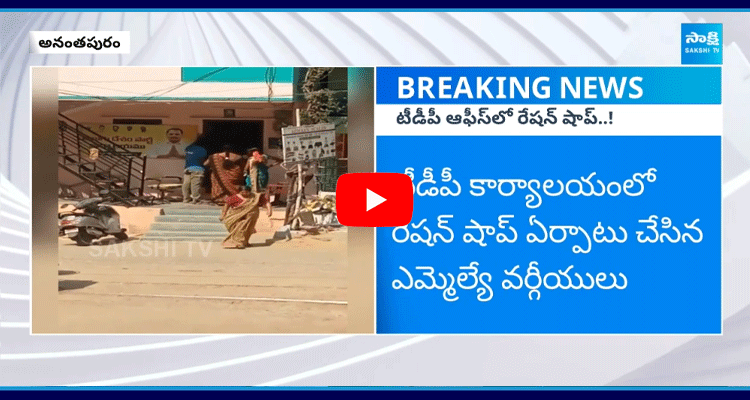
(89, 220)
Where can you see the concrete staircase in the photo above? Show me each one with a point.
(187, 223)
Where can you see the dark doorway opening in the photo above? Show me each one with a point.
(240, 135)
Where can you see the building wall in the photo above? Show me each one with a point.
(179, 113)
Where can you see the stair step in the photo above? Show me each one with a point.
(159, 233)
(188, 227)
(188, 218)
(192, 211)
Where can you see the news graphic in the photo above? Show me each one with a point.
(552, 200)
(526, 199)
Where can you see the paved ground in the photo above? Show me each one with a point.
(171, 287)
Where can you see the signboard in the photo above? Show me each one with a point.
(154, 141)
(309, 142)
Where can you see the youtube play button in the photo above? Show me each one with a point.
(374, 199)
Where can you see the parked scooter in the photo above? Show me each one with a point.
(91, 220)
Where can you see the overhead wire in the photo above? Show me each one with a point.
(270, 79)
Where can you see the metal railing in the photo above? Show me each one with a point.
(115, 168)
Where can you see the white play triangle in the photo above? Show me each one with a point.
(373, 200)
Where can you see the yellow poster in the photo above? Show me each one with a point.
(154, 141)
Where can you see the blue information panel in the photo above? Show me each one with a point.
(672, 286)
(548, 85)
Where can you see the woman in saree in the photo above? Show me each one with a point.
(240, 214)
(226, 174)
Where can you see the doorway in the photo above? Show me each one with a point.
(240, 135)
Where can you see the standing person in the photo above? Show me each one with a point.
(256, 177)
(195, 156)
(239, 215)
(226, 174)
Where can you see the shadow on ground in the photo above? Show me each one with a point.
(110, 240)
(103, 242)
(267, 243)
(73, 285)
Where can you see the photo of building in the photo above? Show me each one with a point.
(179, 211)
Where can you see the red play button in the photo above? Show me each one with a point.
(374, 199)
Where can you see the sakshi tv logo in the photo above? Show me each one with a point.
(702, 44)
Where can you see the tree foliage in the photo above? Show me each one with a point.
(323, 104)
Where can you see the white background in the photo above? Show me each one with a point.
(628, 120)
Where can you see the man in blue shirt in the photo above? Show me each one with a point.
(191, 182)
